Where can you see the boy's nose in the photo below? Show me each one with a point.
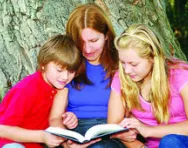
(65, 75)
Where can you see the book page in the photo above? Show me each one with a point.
(65, 133)
(101, 129)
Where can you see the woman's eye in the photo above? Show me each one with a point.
(122, 62)
(59, 70)
(94, 40)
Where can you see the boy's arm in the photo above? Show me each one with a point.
(36, 136)
(58, 108)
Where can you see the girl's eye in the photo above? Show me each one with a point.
(134, 65)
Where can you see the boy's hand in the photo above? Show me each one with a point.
(52, 140)
(70, 120)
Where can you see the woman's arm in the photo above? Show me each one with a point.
(58, 108)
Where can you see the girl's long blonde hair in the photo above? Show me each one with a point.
(142, 38)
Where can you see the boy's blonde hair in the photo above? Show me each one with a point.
(141, 38)
(62, 50)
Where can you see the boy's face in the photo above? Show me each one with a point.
(57, 77)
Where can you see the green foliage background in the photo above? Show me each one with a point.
(177, 12)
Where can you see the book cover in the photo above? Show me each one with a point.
(94, 132)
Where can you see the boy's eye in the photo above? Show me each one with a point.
(71, 71)
(59, 69)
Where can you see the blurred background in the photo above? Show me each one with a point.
(26, 24)
(177, 12)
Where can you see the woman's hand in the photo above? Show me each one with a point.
(71, 144)
(70, 120)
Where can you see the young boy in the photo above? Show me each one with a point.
(25, 110)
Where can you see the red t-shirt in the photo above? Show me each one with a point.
(27, 105)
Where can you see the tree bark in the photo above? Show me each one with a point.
(26, 24)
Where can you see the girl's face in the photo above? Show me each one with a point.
(57, 77)
(136, 67)
(93, 45)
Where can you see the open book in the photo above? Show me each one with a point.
(92, 133)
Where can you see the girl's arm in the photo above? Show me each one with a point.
(178, 128)
(116, 113)
(23, 135)
(162, 130)
(58, 108)
(116, 110)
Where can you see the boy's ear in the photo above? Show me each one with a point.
(106, 37)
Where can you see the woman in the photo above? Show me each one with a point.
(153, 88)
(93, 34)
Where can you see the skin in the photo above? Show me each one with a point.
(70, 144)
(116, 116)
(136, 67)
(93, 45)
(57, 77)
(70, 120)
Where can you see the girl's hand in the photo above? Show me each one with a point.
(52, 140)
(133, 123)
(71, 144)
(128, 136)
(70, 120)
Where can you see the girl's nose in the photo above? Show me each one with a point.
(127, 69)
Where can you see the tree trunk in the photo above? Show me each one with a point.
(26, 24)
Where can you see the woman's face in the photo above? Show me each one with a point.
(136, 67)
(93, 44)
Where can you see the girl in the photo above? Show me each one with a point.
(153, 88)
